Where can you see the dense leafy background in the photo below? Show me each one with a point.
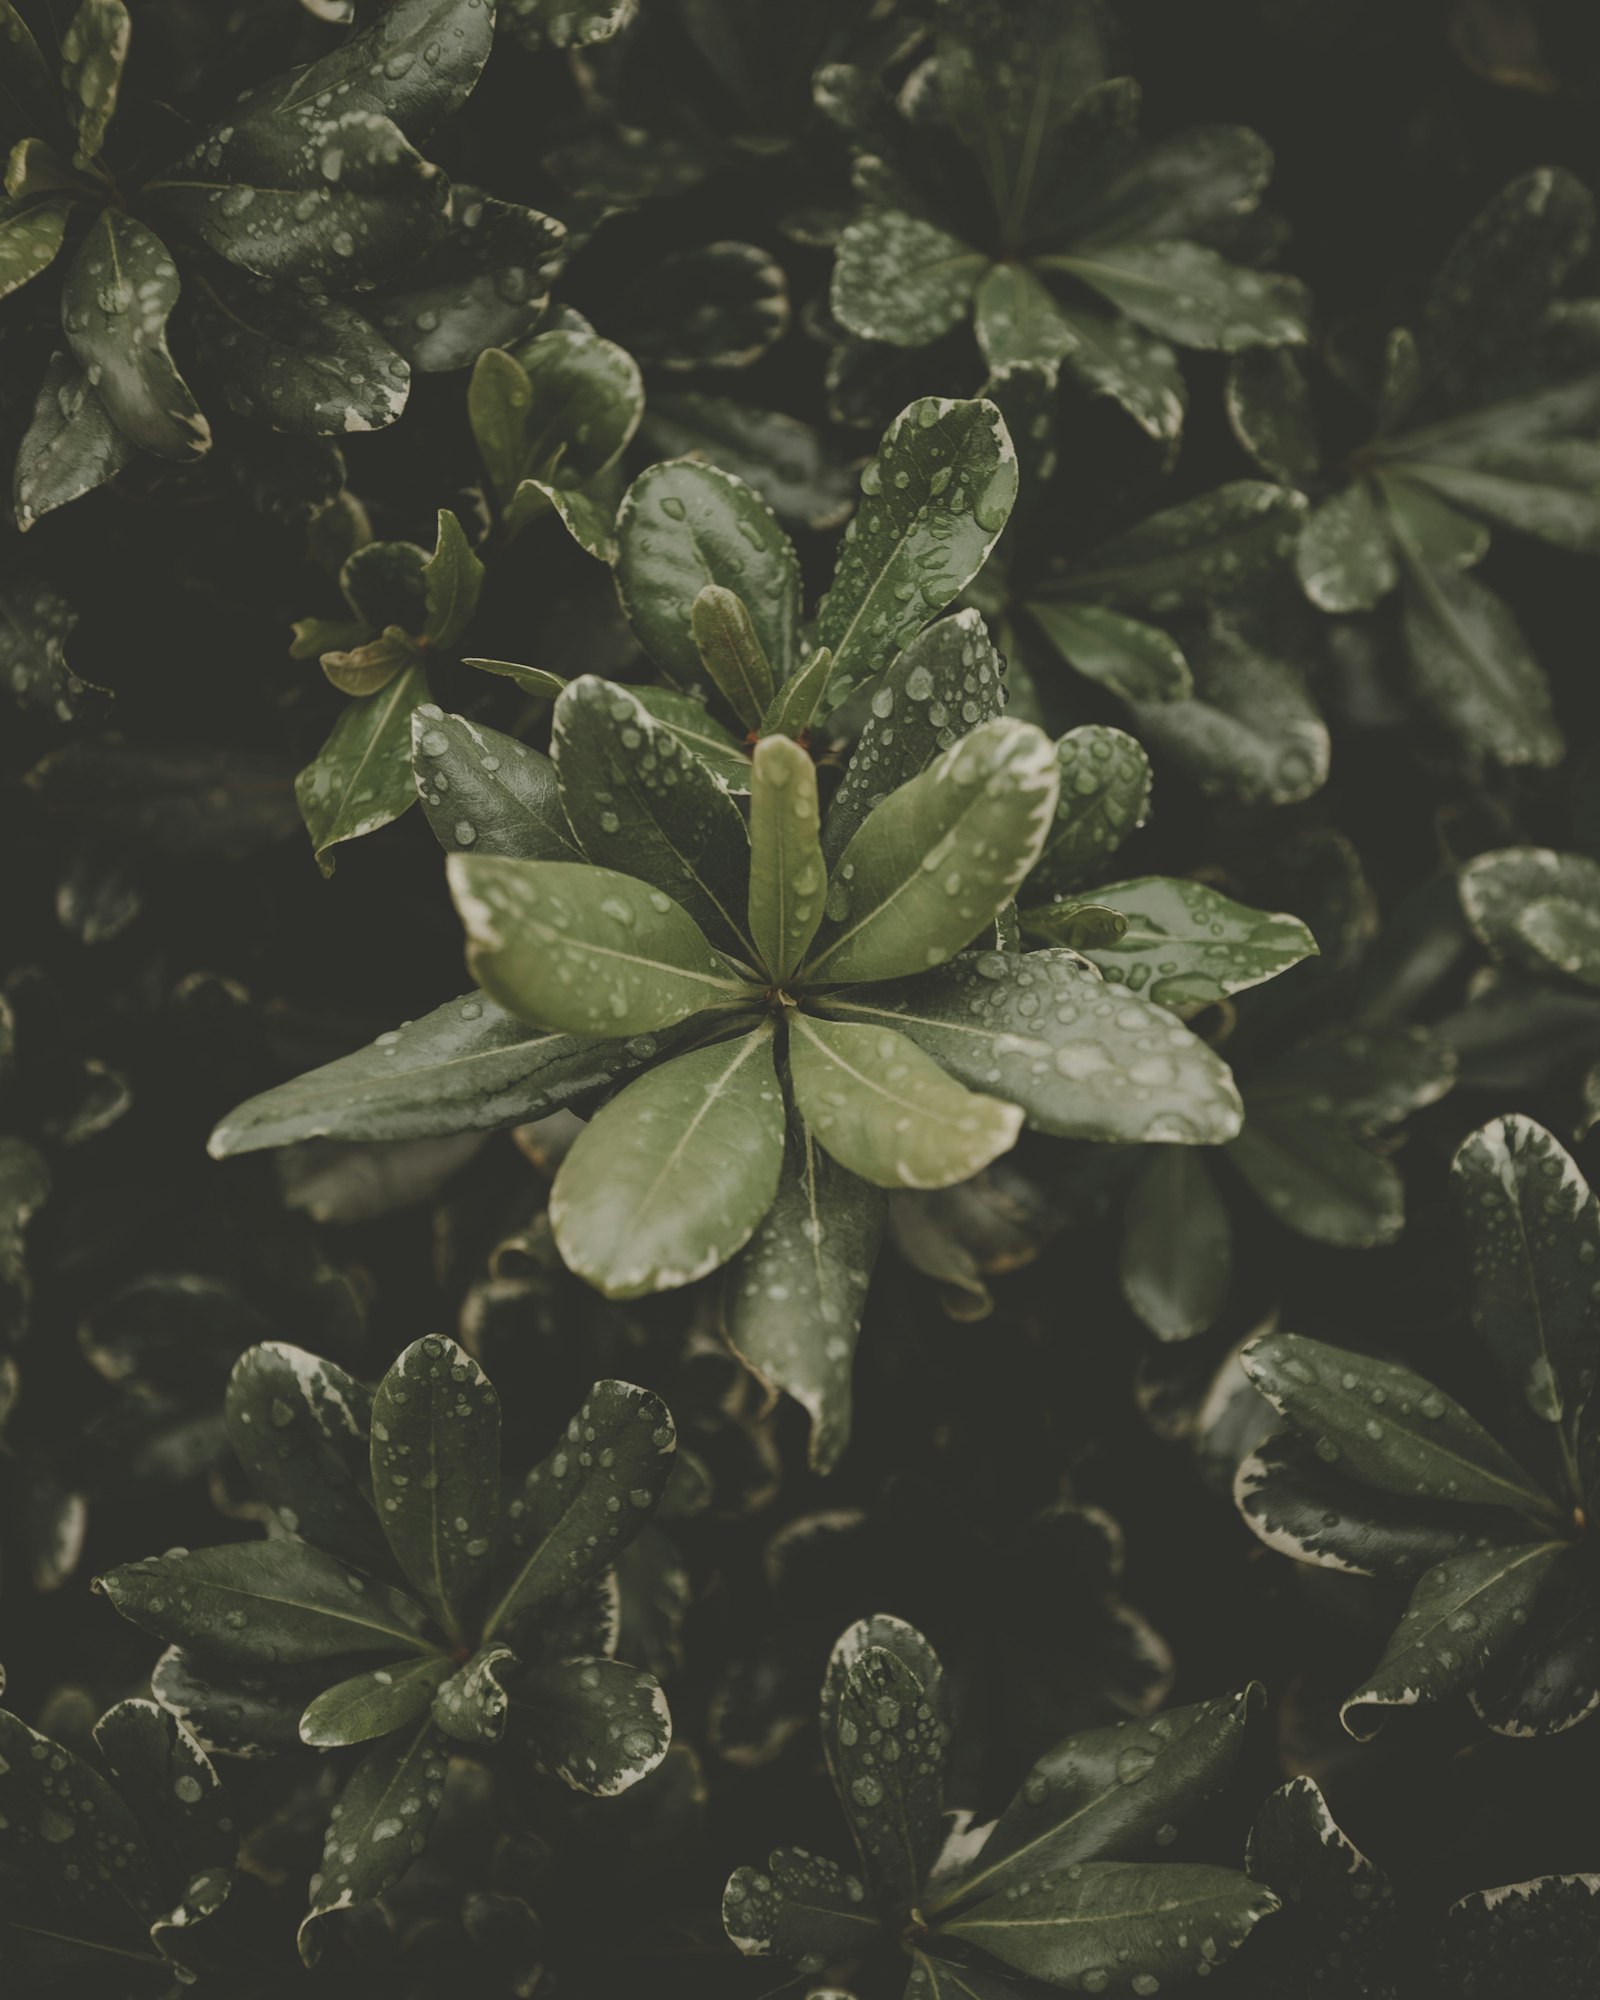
(171, 947)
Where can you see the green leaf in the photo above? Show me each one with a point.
(900, 279)
(486, 791)
(1187, 293)
(1497, 1940)
(298, 1425)
(70, 447)
(1136, 661)
(1534, 1229)
(1189, 554)
(238, 1711)
(683, 525)
(451, 582)
(1429, 528)
(379, 1826)
(363, 670)
(1320, 1177)
(264, 1602)
(536, 681)
(715, 305)
(948, 679)
(384, 584)
(581, 1506)
(1544, 489)
(1189, 185)
(595, 1724)
(116, 299)
(480, 286)
(886, 1111)
(29, 80)
(1140, 1918)
(1388, 1427)
(786, 461)
(300, 363)
(35, 625)
(585, 951)
(436, 1472)
(1020, 323)
(472, 1705)
(794, 707)
(1345, 557)
(643, 805)
(415, 61)
(172, 1785)
(1105, 1794)
(361, 778)
(76, 1864)
(29, 240)
(1463, 1615)
(787, 872)
(563, 25)
(1534, 907)
(731, 653)
(1269, 407)
(1104, 797)
(1303, 1506)
(1083, 1061)
(890, 1746)
(1341, 1910)
(1078, 927)
(326, 199)
(1187, 946)
(800, 1908)
(498, 399)
(673, 1175)
(795, 1295)
(1107, 355)
(716, 747)
(1472, 668)
(935, 499)
(1177, 1245)
(466, 1067)
(94, 47)
(374, 1703)
(931, 866)
(585, 399)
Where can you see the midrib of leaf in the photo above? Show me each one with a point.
(1427, 586)
(867, 1083)
(397, 1781)
(1457, 1604)
(401, 682)
(1032, 146)
(650, 964)
(257, 1597)
(1000, 1923)
(836, 1004)
(691, 868)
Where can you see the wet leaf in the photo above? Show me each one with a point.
(305, 364)
(35, 625)
(1497, 1940)
(451, 580)
(1185, 556)
(1186, 946)
(374, 1703)
(787, 873)
(786, 461)
(29, 240)
(1338, 1907)
(172, 1787)
(472, 1705)
(596, 1724)
(361, 778)
(890, 1744)
(1187, 293)
(1533, 906)
(71, 446)
(94, 47)
(1104, 797)
(901, 279)
(1345, 557)
(1177, 1245)
(1137, 661)
(1472, 667)
(479, 287)
(1269, 407)
(731, 653)
(486, 791)
(378, 1828)
(800, 1908)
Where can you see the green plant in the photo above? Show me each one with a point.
(1052, 1890)
(491, 1616)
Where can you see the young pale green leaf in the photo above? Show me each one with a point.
(899, 279)
(378, 1827)
(498, 397)
(1104, 797)
(1304, 1507)
(787, 872)
(889, 1113)
(1187, 293)
(890, 1744)
(51, 1800)
(1345, 557)
(94, 47)
(800, 1908)
(537, 681)
(935, 499)
(29, 240)
(1127, 1920)
(581, 1506)
(1533, 906)
(1105, 1794)
(264, 1602)
(1188, 555)
(673, 1175)
(374, 1703)
(450, 582)
(361, 778)
(472, 1705)
(795, 706)
(1136, 661)
(948, 679)
(931, 866)
(298, 1425)
(643, 805)
(486, 791)
(467, 1067)
(585, 951)
(1082, 1060)
(297, 362)
(1472, 667)
(730, 652)
(1268, 399)
(364, 669)
(1534, 1227)
(436, 1472)
(684, 525)
(1186, 946)
(795, 1295)
(1177, 1245)
(1389, 1427)
(70, 447)
(1464, 1615)
(116, 299)
(595, 1724)
(172, 1785)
